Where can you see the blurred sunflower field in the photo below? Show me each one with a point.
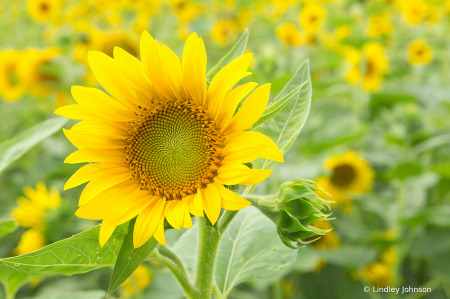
(360, 206)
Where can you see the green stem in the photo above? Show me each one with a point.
(208, 244)
(173, 263)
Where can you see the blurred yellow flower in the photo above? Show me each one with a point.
(414, 11)
(289, 34)
(224, 31)
(379, 25)
(329, 240)
(139, 280)
(44, 10)
(335, 195)
(186, 10)
(312, 17)
(419, 53)
(31, 210)
(378, 274)
(31, 240)
(376, 65)
(37, 71)
(12, 85)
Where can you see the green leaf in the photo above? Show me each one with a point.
(14, 148)
(405, 170)
(7, 226)
(237, 50)
(94, 294)
(129, 258)
(12, 280)
(186, 249)
(276, 107)
(285, 126)
(250, 249)
(78, 254)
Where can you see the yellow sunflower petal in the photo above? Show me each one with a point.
(108, 75)
(81, 176)
(95, 155)
(231, 101)
(250, 112)
(101, 127)
(187, 221)
(195, 203)
(230, 200)
(105, 233)
(233, 173)
(129, 208)
(107, 180)
(194, 68)
(173, 72)
(102, 105)
(75, 111)
(258, 175)
(242, 151)
(156, 72)
(211, 202)
(270, 151)
(174, 213)
(147, 222)
(81, 140)
(134, 71)
(102, 205)
(159, 233)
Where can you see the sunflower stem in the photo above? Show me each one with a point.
(169, 259)
(208, 243)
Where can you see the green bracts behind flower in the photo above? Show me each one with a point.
(294, 209)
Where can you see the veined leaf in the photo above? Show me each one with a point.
(276, 107)
(7, 226)
(78, 254)
(250, 249)
(237, 50)
(285, 126)
(129, 258)
(14, 148)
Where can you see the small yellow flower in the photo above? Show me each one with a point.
(378, 274)
(186, 10)
(312, 18)
(414, 11)
(419, 53)
(31, 240)
(198, 144)
(224, 31)
(289, 34)
(35, 71)
(31, 210)
(140, 279)
(376, 64)
(12, 84)
(379, 25)
(44, 10)
(350, 173)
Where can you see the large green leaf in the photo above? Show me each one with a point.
(129, 258)
(237, 50)
(7, 226)
(78, 254)
(285, 126)
(250, 249)
(12, 280)
(186, 249)
(14, 148)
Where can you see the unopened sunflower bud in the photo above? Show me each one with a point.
(294, 209)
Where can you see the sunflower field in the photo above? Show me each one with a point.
(242, 149)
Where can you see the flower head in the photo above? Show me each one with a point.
(289, 34)
(419, 52)
(312, 17)
(44, 10)
(12, 85)
(163, 144)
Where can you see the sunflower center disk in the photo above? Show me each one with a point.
(343, 175)
(174, 149)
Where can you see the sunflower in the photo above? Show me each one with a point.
(224, 31)
(139, 280)
(419, 52)
(163, 144)
(38, 71)
(12, 84)
(44, 10)
(312, 17)
(289, 34)
(349, 174)
(329, 240)
(31, 214)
